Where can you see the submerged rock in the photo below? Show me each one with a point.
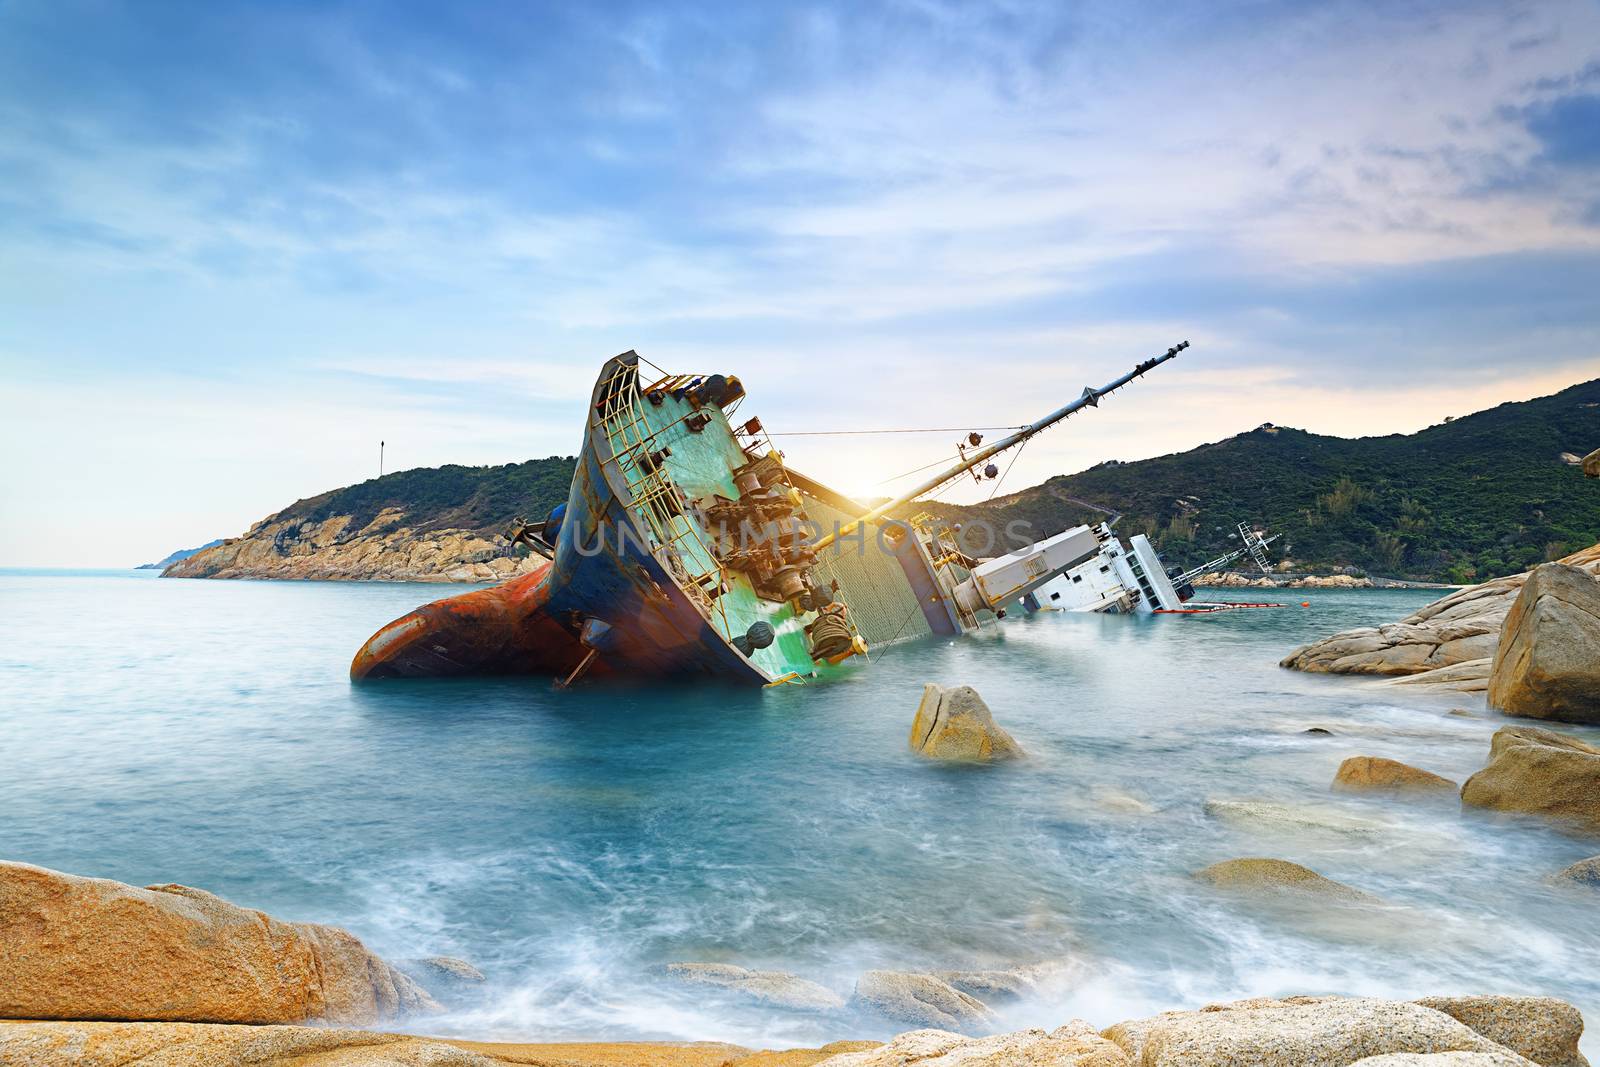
(1276, 875)
(920, 1000)
(449, 980)
(1293, 1032)
(1375, 774)
(1543, 1029)
(774, 989)
(956, 724)
(1288, 818)
(1120, 802)
(91, 948)
(1539, 772)
(1548, 663)
(996, 985)
(1583, 873)
(1073, 1045)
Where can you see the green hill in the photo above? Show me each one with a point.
(1470, 499)
(1467, 500)
(480, 499)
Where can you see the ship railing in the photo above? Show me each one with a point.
(655, 496)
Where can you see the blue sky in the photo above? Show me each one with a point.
(241, 244)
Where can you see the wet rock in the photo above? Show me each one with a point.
(1293, 1032)
(1120, 802)
(773, 989)
(1449, 644)
(1468, 676)
(1279, 875)
(1073, 1045)
(448, 979)
(1320, 731)
(1543, 1029)
(956, 724)
(1374, 774)
(91, 948)
(998, 985)
(1501, 1058)
(1462, 713)
(1583, 873)
(1548, 663)
(1539, 772)
(1288, 818)
(920, 1000)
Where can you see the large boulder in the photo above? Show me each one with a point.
(956, 724)
(1548, 663)
(772, 989)
(920, 1000)
(1274, 876)
(1073, 1045)
(1543, 1029)
(1449, 643)
(1293, 1032)
(1591, 464)
(1539, 772)
(1375, 774)
(91, 948)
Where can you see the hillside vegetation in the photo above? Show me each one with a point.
(482, 500)
(1467, 500)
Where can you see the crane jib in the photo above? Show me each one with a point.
(1090, 398)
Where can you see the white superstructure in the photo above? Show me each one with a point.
(1118, 579)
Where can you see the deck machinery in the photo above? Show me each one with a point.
(688, 548)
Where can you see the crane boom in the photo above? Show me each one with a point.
(1090, 398)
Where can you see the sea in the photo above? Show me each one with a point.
(568, 843)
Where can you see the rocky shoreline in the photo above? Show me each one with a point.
(101, 973)
(1453, 642)
(386, 549)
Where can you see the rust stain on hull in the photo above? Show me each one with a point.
(502, 630)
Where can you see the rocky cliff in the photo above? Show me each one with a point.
(385, 549)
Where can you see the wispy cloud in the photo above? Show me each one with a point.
(439, 221)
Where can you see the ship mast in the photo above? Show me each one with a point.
(1090, 398)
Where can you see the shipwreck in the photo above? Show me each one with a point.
(688, 548)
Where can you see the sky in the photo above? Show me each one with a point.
(242, 244)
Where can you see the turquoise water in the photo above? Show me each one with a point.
(204, 732)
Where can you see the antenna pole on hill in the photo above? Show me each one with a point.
(380, 459)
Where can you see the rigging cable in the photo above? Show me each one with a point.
(922, 429)
(1001, 480)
